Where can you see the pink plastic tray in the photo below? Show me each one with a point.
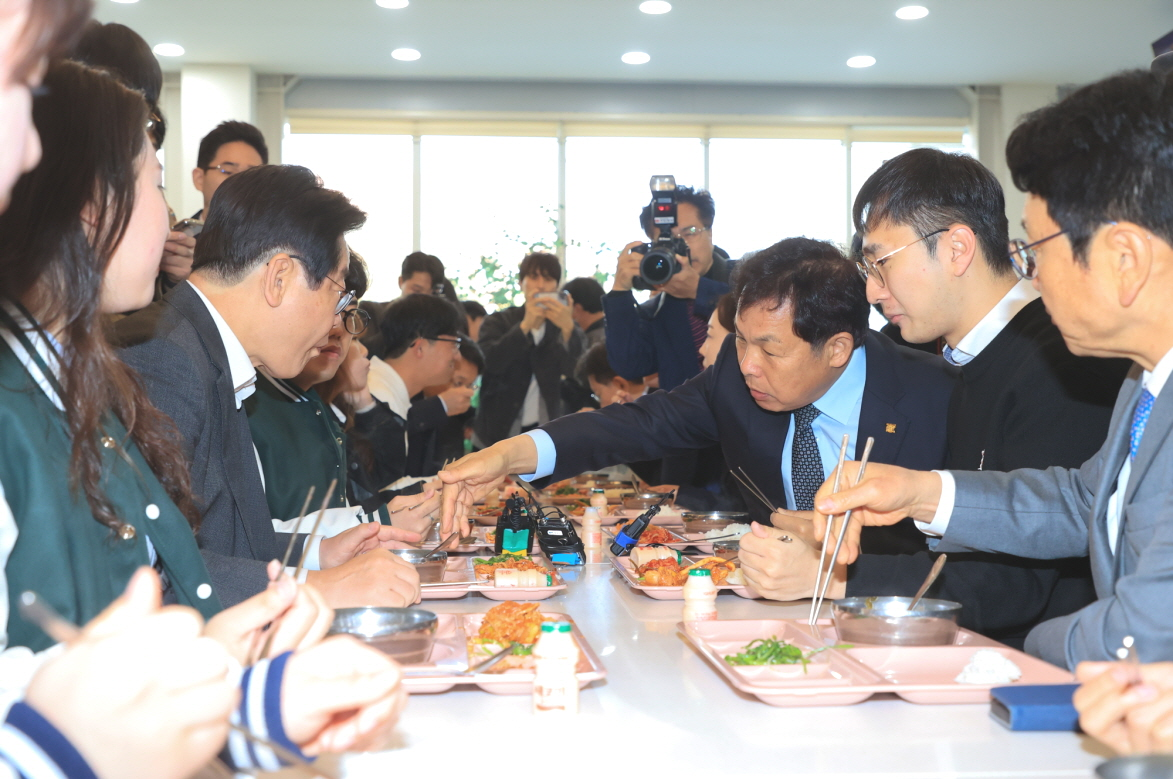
(460, 569)
(627, 571)
(836, 677)
(669, 515)
(450, 654)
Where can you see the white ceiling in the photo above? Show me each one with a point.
(770, 41)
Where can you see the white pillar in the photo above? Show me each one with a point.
(1018, 100)
(209, 94)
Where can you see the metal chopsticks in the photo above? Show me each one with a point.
(821, 593)
(827, 532)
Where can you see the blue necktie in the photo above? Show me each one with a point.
(1140, 418)
(806, 466)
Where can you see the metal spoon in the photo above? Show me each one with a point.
(932, 577)
(443, 544)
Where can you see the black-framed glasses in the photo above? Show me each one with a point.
(356, 321)
(345, 296)
(455, 340)
(871, 268)
(1025, 258)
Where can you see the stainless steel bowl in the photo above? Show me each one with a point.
(887, 620)
(1137, 767)
(431, 570)
(727, 550)
(704, 521)
(407, 635)
(642, 500)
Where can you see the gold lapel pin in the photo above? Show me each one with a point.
(890, 427)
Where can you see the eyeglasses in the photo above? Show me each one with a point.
(871, 268)
(692, 232)
(345, 297)
(1024, 257)
(356, 321)
(455, 340)
(227, 168)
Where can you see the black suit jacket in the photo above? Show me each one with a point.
(511, 360)
(176, 349)
(905, 404)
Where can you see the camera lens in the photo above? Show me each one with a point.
(658, 266)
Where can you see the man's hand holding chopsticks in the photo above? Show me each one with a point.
(886, 495)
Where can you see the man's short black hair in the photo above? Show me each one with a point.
(1102, 154)
(261, 211)
(416, 316)
(822, 288)
(587, 292)
(356, 276)
(229, 132)
(421, 262)
(471, 351)
(474, 309)
(595, 365)
(540, 264)
(928, 189)
(700, 199)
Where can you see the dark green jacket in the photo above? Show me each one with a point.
(300, 443)
(77, 564)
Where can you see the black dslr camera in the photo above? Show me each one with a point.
(659, 263)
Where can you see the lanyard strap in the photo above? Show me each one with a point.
(34, 353)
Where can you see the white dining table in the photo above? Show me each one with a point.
(664, 711)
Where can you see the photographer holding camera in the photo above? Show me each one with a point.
(664, 334)
(528, 349)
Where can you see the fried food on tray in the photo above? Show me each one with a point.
(669, 573)
(510, 621)
(653, 534)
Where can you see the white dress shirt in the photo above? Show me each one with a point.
(244, 383)
(985, 331)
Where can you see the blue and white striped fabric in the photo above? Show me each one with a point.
(260, 712)
(30, 747)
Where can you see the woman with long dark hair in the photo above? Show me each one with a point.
(94, 487)
(72, 245)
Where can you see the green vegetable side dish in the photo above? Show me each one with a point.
(771, 651)
(566, 491)
(501, 558)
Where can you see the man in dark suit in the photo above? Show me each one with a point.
(1098, 171)
(802, 352)
(264, 291)
(528, 349)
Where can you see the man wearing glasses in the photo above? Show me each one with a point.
(1096, 168)
(265, 291)
(420, 334)
(935, 257)
(230, 148)
(664, 334)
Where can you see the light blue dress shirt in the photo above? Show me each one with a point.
(839, 413)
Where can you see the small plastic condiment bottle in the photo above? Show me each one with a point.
(555, 670)
(592, 530)
(598, 500)
(700, 596)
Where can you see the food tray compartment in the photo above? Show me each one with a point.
(852, 674)
(627, 571)
(450, 656)
(461, 569)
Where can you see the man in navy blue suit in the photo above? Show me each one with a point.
(802, 352)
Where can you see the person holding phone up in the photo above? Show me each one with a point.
(528, 349)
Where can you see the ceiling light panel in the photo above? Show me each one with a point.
(861, 61)
(168, 50)
(636, 58)
(405, 55)
(911, 12)
(655, 7)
